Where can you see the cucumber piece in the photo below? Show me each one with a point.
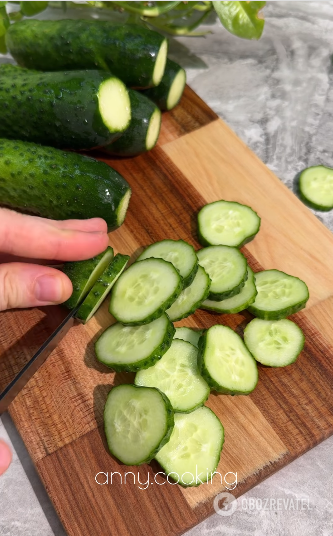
(132, 348)
(101, 288)
(227, 269)
(176, 374)
(275, 343)
(194, 449)
(226, 364)
(133, 53)
(189, 335)
(279, 295)
(169, 91)
(60, 185)
(138, 422)
(144, 129)
(227, 223)
(191, 298)
(179, 253)
(145, 291)
(76, 109)
(316, 187)
(237, 303)
(84, 274)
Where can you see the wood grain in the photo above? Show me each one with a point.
(59, 413)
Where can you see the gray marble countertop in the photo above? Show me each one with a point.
(277, 94)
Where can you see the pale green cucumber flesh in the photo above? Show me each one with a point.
(132, 348)
(275, 343)
(138, 422)
(316, 187)
(279, 295)
(176, 89)
(227, 269)
(227, 223)
(176, 374)
(114, 105)
(226, 364)
(190, 298)
(192, 454)
(145, 291)
(84, 274)
(237, 303)
(181, 254)
(101, 288)
(160, 62)
(169, 91)
(153, 130)
(188, 335)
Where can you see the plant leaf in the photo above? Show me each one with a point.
(4, 23)
(29, 9)
(241, 18)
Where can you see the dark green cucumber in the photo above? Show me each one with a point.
(102, 287)
(74, 110)
(133, 53)
(60, 185)
(169, 91)
(84, 274)
(142, 134)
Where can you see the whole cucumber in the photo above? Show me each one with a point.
(142, 134)
(73, 110)
(60, 185)
(168, 93)
(133, 53)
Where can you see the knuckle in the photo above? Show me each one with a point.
(8, 290)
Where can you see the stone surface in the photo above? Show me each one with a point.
(277, 95)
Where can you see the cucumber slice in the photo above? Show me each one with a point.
(227, 223)
(145, 291)
(226, 364)
(176, 374)
(279, 295)
(179, 253)
(101, 288)
(316, 187)
(169, 91)
(191, 298)
(138, 422)
(227, 269)
(193, 451)
(84, 274)
(188, 335)
(133, 348)
(275, 343)
(237, 303)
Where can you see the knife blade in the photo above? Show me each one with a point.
(29, 369)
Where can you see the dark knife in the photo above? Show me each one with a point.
(29, 369)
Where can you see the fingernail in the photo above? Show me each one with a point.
(5, 456)
(48, 288)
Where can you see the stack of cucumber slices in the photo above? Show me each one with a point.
(162, 415)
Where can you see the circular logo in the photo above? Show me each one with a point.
(229, 504)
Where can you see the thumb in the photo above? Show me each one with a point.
(5, 456)
(30, 285)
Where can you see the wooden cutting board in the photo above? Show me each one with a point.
(59, 413)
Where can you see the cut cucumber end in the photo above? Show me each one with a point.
(316, 187)
(160, 63)
(176, 89)
(188, 335)
(153, 129)
(114, 105)
(123, 206)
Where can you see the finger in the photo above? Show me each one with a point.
(5, 456)
(93, 225)
(30, 285)
(33, 237)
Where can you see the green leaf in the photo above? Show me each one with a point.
(241, 18)
(4, 23)
(29, 9)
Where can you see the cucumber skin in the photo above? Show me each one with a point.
(170, 423)
(160, 93)
(58, 185)
(205, 374)
(58, 109)
(106, 280)
(148, 361)
(129, 51)
(197, 304)
(133, 141)
(235, 309)
(305, 199)
(204, 242)
(277, 315)
(219, 296)
(158, 311)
